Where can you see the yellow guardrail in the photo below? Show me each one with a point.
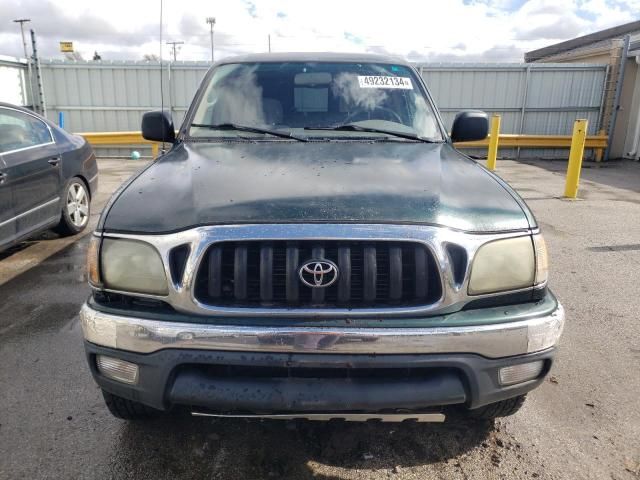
(537, 141)
(115, 139)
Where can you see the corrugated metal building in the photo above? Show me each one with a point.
(619, 49)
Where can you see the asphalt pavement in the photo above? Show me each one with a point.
(583, 422)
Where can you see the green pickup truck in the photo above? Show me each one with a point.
(313, 246)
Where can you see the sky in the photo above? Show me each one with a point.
(419, 30)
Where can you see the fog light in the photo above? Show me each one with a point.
(520, 373)
(117, 369)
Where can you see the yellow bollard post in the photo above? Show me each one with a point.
(492, 153)
(154, 150)
(575, 158)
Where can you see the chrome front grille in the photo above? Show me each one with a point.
(266, 274)
(186, 256)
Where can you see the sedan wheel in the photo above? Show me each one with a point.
(76, 208)
(78, 205)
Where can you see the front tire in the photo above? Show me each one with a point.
(503, 408)
(126, 409)
(76, 208)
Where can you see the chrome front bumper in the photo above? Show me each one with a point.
(492, 341)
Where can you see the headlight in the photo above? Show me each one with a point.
(503, 265)
(132, 266)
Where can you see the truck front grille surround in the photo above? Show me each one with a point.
(253, 270)
(267, 274)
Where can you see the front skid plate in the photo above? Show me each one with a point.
(349, 417)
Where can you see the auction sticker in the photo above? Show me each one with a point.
(371, 81)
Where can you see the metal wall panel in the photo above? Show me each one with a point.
(112, 96)
(532, 98)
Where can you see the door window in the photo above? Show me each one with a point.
(19, 130)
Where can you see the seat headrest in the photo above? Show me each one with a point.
(224, 111)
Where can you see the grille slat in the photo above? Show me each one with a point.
(422, 277)
(292, 279)
(344, 281)
(369, 274)
(215, 272)
(266, 273)
(240, 273)
(395, 273)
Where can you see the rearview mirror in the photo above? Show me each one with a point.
(470, 125)
(312, 78)
(157, 126)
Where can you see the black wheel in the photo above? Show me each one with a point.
(128, 409)
(76, 208)
(504, 408)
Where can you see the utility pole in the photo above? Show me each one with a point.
(174, 48)
(22, 21)
(211, 21)
(269, 40)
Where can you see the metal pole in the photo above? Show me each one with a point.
(22, 21)
(492, 154)
(575, 158)
(602, 100)
(616, 101)
(36, 59)
(524, 105)
(170, 89)
(269, 40)
(211, 21)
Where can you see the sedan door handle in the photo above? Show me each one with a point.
(54, 162)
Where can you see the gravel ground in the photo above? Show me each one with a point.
(584, 422)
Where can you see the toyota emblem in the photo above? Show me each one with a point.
(318, 273)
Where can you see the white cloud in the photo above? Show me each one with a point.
(472, 30)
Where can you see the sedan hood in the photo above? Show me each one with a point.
(334, 182)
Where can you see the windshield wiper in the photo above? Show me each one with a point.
(247, 128)
(352, 127)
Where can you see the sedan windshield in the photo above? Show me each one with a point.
(315, 100)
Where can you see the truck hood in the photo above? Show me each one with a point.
(333, 182)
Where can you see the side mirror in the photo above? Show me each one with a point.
(470, 125)
(157, 126)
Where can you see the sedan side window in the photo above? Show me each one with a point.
(20, 130)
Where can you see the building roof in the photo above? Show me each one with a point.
(592, 38)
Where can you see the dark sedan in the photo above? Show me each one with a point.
(47, 177)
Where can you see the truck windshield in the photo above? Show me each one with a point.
(315, 100)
